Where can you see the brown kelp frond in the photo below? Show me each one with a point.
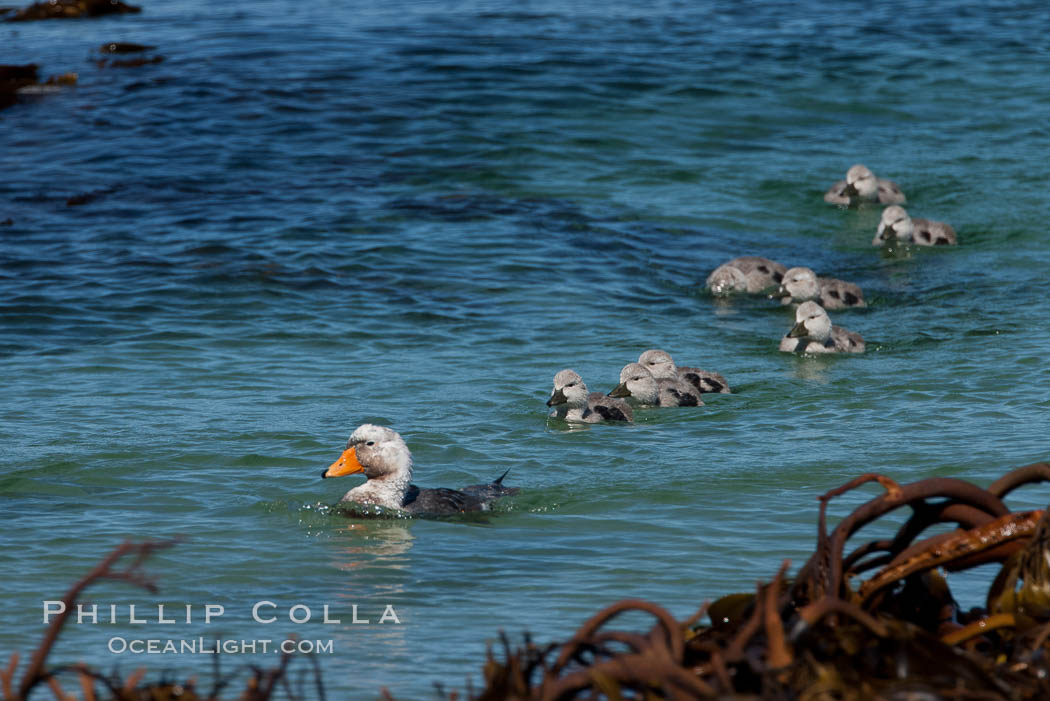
(124, 564)
(823, 574)
(1029, 474)
(1023, 587)
(949, 548)
(108, 568)
(878, 622)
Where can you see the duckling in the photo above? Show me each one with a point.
(803, 285)
(896, 226)
(572, 402)
(660, 364)
(725, 280)
(861, 185)
(752, 274)
(813, 332)
(640, 388)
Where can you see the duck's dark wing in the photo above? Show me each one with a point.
(609, 408)
(846, 340)
(492, 490)
(704, 380)
(439, 501)
(613, 413)
(890, 192)
(836, 294)
(933, 233)
(674, 394)
(687, 398)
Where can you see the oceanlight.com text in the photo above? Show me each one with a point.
(209, 646)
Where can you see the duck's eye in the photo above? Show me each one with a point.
(370, 443)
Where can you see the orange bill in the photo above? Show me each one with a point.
(347, 464)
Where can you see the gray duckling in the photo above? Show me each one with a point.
(660, 364)
(572, 402)
(751, 274)
(802, 285)
(860, 186)
(896, 226)
(640, 388)
(813, 332)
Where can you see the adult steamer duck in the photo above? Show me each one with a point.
(381, 454)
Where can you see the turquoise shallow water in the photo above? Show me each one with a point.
(310, 216)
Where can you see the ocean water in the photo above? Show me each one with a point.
(313, 215)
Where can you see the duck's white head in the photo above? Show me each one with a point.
(861, 182)
(726, 279)
(811, 321)
(799, 284)
(569, 390)
(377, 451)
(658, 363)
(637, 385)
(895, 224)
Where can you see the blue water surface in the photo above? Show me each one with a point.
(312, 215)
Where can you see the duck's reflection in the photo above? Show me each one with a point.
(812, 367)
(373, 604)
(373, 543)
(562, 426)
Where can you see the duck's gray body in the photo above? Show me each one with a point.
(441, 500)
(752, 274)
(705, 381)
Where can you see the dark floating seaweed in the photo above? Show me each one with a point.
(90, 196)
(128, 62)
(71, 9)
(22, 80)
(112, 49)
(830, 633)
(124, 47)
(14, 77)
